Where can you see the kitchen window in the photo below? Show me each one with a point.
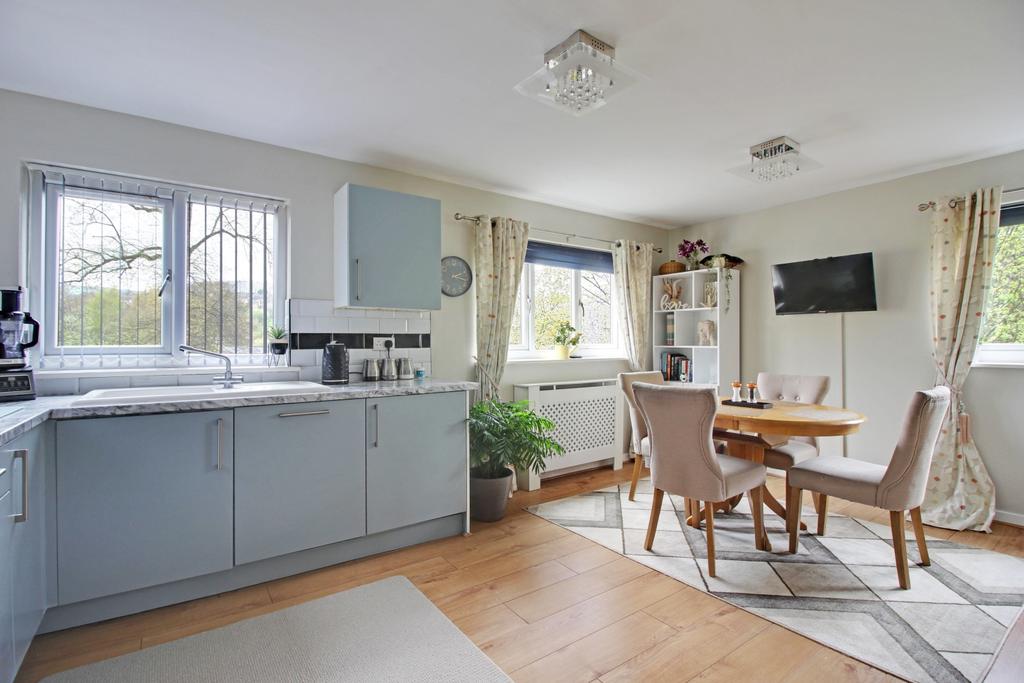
(1002, 330)
(132, 268)
(562, 283)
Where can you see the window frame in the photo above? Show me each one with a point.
(41, 269)
(528, 349)
(1001, 355)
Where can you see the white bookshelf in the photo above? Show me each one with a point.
(715, 365)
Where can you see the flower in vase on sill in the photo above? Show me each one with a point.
(692, 252)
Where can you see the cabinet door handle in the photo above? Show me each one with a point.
(23, 515)
(359, 283)
(376, 425)
(220, 443)
(304, 413)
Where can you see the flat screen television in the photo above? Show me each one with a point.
(837, 284)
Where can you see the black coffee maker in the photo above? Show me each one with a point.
(16, 381)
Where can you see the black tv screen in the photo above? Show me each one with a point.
(836, 284)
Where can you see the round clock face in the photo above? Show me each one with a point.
(456, 277)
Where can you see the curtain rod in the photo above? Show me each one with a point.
(924, 206)
(476, 219)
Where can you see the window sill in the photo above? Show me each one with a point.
(1002, 365)
(542, 360)
(80, 373)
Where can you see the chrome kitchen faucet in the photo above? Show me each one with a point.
(227, 380)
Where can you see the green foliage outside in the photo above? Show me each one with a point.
(506, 436)
(1004, 309)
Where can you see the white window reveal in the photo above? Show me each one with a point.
(563, 283)
(130, 269)
(1002, 330)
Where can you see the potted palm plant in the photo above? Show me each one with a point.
(567, 338)
(504, 437)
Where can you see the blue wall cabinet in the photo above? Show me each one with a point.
(142, 501)
(25, 460)
(387, 249)
(7, 668)
(299, 477)
(416, 464)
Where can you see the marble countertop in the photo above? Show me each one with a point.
(27, 415)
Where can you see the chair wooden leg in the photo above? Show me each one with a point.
(638, 468)
(795, 496)
(652, 525)
(799, 504)
(922, 547)
(899, 544)
(816, 500)
(822, 513)
(709, 518)
(757, 512)
(695, 513)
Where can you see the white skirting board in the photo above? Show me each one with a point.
(589, 423)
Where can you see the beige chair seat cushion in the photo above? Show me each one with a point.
(844, 478)
(740, 474)
(788, 454)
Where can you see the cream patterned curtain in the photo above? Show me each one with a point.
(632, 262)
(500, 252)
(960, 492)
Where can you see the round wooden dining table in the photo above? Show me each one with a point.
(749, 432)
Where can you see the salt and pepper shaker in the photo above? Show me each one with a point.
(736, 386)
(751, 392)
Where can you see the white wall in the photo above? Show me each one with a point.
(38, 129)
(888, 351)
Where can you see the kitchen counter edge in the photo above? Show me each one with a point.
(33, 413)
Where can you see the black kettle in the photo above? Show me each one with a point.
(334, 367)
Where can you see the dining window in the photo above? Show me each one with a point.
(565, 284)
(133, 268)
(1002, 330)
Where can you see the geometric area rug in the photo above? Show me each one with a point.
(840, 590)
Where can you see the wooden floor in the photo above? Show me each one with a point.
(542, 602)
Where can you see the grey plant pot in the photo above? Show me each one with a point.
(488, 498)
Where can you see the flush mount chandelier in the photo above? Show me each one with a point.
(777, 159)
(579, 75)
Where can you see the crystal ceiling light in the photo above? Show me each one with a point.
(775, 159)
(579, 75)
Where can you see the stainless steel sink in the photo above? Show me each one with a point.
(104, 397)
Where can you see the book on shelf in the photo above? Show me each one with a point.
(676, 367)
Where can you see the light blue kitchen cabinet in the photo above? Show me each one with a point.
(387, 249)
(416, 466)
(142, 501)
(300, 477)
(26, 458)
(7, 668)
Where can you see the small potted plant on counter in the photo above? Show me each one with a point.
(504, 437)
(278, 340)
(567, 338)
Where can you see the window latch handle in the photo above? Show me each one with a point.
(167, 279)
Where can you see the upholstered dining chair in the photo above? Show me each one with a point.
(684, 461)
(898, 487)
(640, 443)
(794, 389)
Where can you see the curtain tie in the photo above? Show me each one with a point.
(963, 426)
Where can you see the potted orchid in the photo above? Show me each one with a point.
(692, 253)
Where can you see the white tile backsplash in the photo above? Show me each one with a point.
(320, 316)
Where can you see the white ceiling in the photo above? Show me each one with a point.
(872, 89)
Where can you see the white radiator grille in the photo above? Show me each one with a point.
(589, 422)
(583, 424)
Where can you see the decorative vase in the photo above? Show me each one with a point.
(670, 267)
(488, 498)
(562, 352)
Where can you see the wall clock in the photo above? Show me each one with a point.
(456, 277)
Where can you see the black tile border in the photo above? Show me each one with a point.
(317, 340)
